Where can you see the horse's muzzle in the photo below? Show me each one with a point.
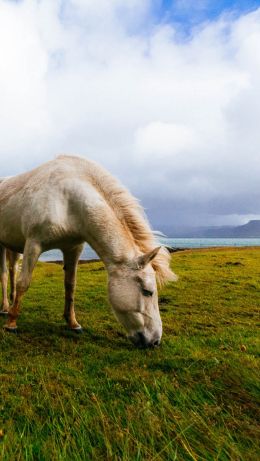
(139, 340)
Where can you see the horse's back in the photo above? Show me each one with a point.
(47, 202)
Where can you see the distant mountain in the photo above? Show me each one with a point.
(249, 230)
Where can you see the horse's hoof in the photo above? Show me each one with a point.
(4, 313)
(10, 329)
(78, 330)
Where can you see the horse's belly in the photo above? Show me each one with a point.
(11, 235)
(12, 240)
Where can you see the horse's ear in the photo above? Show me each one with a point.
(143, 260)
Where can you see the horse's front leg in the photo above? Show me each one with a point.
(71, 258)
(4, 279)
(32, 251)
(13, 259)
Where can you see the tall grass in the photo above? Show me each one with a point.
(95, 397)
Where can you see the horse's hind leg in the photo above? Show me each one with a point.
(32, 251)
(4, 279)
(13, 267)
(71, 258)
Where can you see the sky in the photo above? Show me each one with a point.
(164, 93)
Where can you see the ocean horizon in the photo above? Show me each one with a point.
(88, 253)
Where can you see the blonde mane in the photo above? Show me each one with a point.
(130, 214)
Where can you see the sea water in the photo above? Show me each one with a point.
(88, 253)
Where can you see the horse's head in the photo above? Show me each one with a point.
(134, 298)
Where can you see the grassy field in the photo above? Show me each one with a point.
(95, 397)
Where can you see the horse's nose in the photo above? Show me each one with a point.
(140, 340)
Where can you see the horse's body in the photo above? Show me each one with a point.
(12, 259)
(69, 201)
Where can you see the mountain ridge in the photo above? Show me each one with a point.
(249, 230)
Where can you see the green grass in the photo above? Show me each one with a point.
(95, 397)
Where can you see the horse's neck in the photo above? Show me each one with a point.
(110, 239)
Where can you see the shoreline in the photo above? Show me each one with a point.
(172, 251)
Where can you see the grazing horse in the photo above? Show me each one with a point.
(69, 201)
(12, 259)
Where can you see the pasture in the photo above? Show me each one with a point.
(95, 397)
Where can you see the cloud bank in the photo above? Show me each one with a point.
(177, 120)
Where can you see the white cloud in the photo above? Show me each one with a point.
(23, 69)
(160, 141)
(177, 121)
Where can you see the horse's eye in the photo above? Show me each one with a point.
(147, 292)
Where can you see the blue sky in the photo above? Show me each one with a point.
(183, 14)
(192, 12)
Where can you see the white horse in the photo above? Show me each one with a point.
(69, 201)
(12, 258)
